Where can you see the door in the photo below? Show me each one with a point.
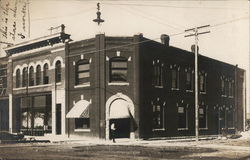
(58, 119)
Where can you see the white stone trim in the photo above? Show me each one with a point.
(16, 68)
(44, 62)
(57, 50)
(58, 58)
(108, 104)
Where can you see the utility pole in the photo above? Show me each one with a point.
(195, 30)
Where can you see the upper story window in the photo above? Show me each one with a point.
(38, 75)
(82, 72)
(158, 115)
(46, 74)
(189, 79)
(203, 81)
(182, 116)
(223, 86)
(58, 71)
(231, 88)
(24, 77)
(203, 116)
(31, 76)
(118, 69)
(157, 73)
(18, 78)
(175, 77)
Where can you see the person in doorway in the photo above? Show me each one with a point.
(113, 130)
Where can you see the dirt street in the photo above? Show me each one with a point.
(142, 150)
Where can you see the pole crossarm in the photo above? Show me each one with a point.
(196, 33)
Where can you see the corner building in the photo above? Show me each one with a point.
(78, 88)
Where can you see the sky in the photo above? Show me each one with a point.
(228, 40)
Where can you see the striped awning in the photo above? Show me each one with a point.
(79, 110)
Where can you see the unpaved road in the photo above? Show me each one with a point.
(145, 150)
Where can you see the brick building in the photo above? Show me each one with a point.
(78, 88)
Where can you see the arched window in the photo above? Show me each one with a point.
(118, 69)
(25, 77)
(38, 75)
(31, 76)
(82, 72)
(46, 74)
(58, 72)
(18, 76)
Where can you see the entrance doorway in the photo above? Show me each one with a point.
(122, 127)
(120, 110)
(58, 119)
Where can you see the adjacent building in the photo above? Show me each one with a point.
(78, 88)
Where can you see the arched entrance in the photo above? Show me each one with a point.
(120, 109)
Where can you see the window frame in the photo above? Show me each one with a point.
(205, 109)
(38, 75)
(82, 121)
(156, 114)
(191, 72)
(58, 71)
(204, 86)
(84, 80)
(31, 76)
(177, 79)
(157, 74)
(18, 78)
(46, 73)
(25, 77)
(185, 109)
(118, 59)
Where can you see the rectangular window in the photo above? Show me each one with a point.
(202, 83)
(223, 87)
(182, 118)
(158, 117)
(158, 74)
(231, 89)
(189, 80)
(230, 118)
(202, 117)
(175, 78)
(82, 123)
(118, 69)
(82, 72)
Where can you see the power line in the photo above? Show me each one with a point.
(72, 14)
(168, 6)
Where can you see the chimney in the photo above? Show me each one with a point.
(165, 39)
(193, 48)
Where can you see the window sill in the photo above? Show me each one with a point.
(118, 84)
(158, 86)
(175, 89)
(182, 129)
(160, 129)
(59, 83)
(190, 91)
(82, 130)
(203, 128)
(223, 96)
(230, 97)
(231, 128)
(82, 85)
(203, 92)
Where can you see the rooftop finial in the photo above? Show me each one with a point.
(98, 20)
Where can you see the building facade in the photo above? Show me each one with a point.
(79, 88)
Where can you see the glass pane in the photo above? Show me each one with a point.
(119, 65)
(119, 75)
(180, 109)
(83, 75)
(83, 67)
